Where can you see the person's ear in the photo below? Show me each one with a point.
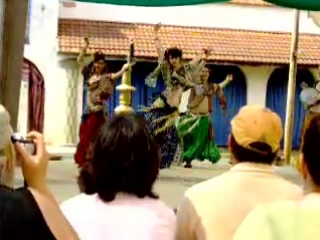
(302, 166)
(229, 141)
(233, 160)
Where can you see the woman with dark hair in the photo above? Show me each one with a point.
(100, 85)
(119, 202)
(164, 112)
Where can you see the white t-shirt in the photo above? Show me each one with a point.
(126, 218)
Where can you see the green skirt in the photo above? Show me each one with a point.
(197, 143)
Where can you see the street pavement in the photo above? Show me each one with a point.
(171, 185)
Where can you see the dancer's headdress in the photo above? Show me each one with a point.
(97, 56)
(174, 52)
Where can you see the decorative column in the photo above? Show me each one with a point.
(71, 111)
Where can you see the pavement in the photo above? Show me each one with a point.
(171, 185)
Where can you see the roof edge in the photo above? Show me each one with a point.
(231, 62)
(187, 27)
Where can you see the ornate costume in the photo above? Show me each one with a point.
(100, 85)
(100, 89)
(311, 99)
(163, 113)
(195, 128)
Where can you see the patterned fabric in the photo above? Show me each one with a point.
(94, 116)
(100, 89)
(89, 128)
(168, 138)
(36, 96)
(162, 115)
(188, 75)
(197, 138)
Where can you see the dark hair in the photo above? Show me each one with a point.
(310, 149)
(173, 52)
(263, 153)
(125, 159)
(98, 56)
(88, 70)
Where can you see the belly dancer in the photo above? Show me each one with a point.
(195, 128)
(100, 86)
(310, 97)
(162, 115)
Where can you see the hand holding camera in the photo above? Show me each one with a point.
(34, 165)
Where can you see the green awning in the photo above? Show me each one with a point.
(309, 5)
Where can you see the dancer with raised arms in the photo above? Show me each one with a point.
(195, 128)
(178, 76)
(100, 85)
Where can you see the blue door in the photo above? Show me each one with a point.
(236, 94)
(277, 97)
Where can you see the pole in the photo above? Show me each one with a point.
(12, 47)
(291, 89)
(126, 88)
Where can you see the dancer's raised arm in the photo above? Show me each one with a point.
(200, 58)
(151, 79)
(228, 79)
(115, 76)
(157, 42)
(80, 58)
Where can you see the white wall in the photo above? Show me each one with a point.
(257, 80)
(60, 71)
(43, 33)
(42, 51)
(209, 15)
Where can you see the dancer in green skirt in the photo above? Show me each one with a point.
(195, 128)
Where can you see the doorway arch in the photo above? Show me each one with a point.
(236, 94)
(36, 95)
(276, 98)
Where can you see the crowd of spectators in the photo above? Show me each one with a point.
(117, 200)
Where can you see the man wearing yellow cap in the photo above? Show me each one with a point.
(215, 208)
(291, 220)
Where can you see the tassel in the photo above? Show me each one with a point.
(170, 120)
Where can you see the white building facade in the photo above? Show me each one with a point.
(64, 83)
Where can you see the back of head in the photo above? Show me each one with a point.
(256, 133)
(6, 147)
(310, 149)
(125, 159)
(174, 52)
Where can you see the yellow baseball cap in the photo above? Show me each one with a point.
(257, 124)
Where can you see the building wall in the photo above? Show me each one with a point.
(209, 15)
(65, 129)
(42, 51)
(64, 83)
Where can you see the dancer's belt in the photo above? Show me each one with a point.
(198, 114)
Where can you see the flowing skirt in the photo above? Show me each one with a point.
(160, 123)
(89, 128)
(196, 134)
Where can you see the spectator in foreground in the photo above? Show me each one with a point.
(118, 203)
(287, 220)
(32, 212)
(8, 155)
(215, 208)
